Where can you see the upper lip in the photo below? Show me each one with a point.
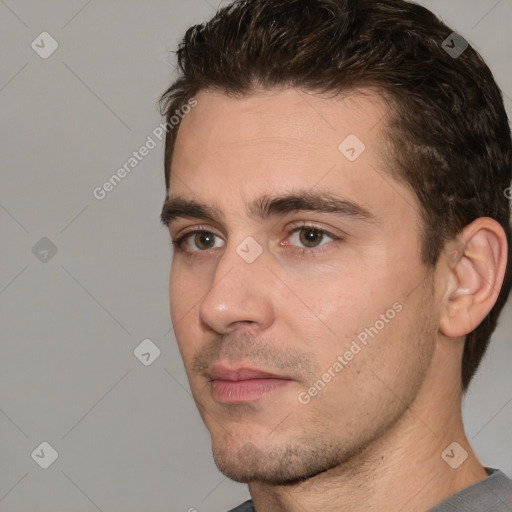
(221, 372)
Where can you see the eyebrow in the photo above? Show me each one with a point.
(268, 206)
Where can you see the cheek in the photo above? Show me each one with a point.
(184, 292)
(362, 383)
(365, 314)
(184, 298)
(343, 303)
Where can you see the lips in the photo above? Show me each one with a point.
(219, 372)
(242, 384)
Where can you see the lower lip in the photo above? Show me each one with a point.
(240, 391)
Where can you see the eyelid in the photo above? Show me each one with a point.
(312, 225)
(196, 229)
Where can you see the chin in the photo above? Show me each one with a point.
(285, 465)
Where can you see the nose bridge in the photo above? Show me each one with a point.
(241, 262)
(238, 292)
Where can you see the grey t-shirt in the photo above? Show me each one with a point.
(493, 494)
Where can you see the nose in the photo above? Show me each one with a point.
(240, 295)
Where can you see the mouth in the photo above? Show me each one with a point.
(243, 384)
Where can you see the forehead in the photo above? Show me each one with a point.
(279, 122)
(232, 149)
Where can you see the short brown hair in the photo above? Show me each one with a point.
(449, 130)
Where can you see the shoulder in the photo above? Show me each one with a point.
(244, 507)
(493, 494)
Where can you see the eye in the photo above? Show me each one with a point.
(200, 240)
(197, 241)
(311, 236)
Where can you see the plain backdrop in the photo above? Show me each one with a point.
(83, 281)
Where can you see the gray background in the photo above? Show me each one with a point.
(128, 435)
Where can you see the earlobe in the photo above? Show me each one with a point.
(475, 273)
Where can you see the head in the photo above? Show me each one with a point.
(345, 177)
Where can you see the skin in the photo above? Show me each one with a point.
(372, 438)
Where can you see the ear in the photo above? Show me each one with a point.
(476, 263)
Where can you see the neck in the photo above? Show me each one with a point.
(402, 470)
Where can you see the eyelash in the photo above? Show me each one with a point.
(178, 244)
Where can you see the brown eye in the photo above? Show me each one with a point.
(197, 241)
(204, 240)
(311, 237)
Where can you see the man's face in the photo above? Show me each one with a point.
(306, 333)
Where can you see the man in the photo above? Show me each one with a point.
(337, 203)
